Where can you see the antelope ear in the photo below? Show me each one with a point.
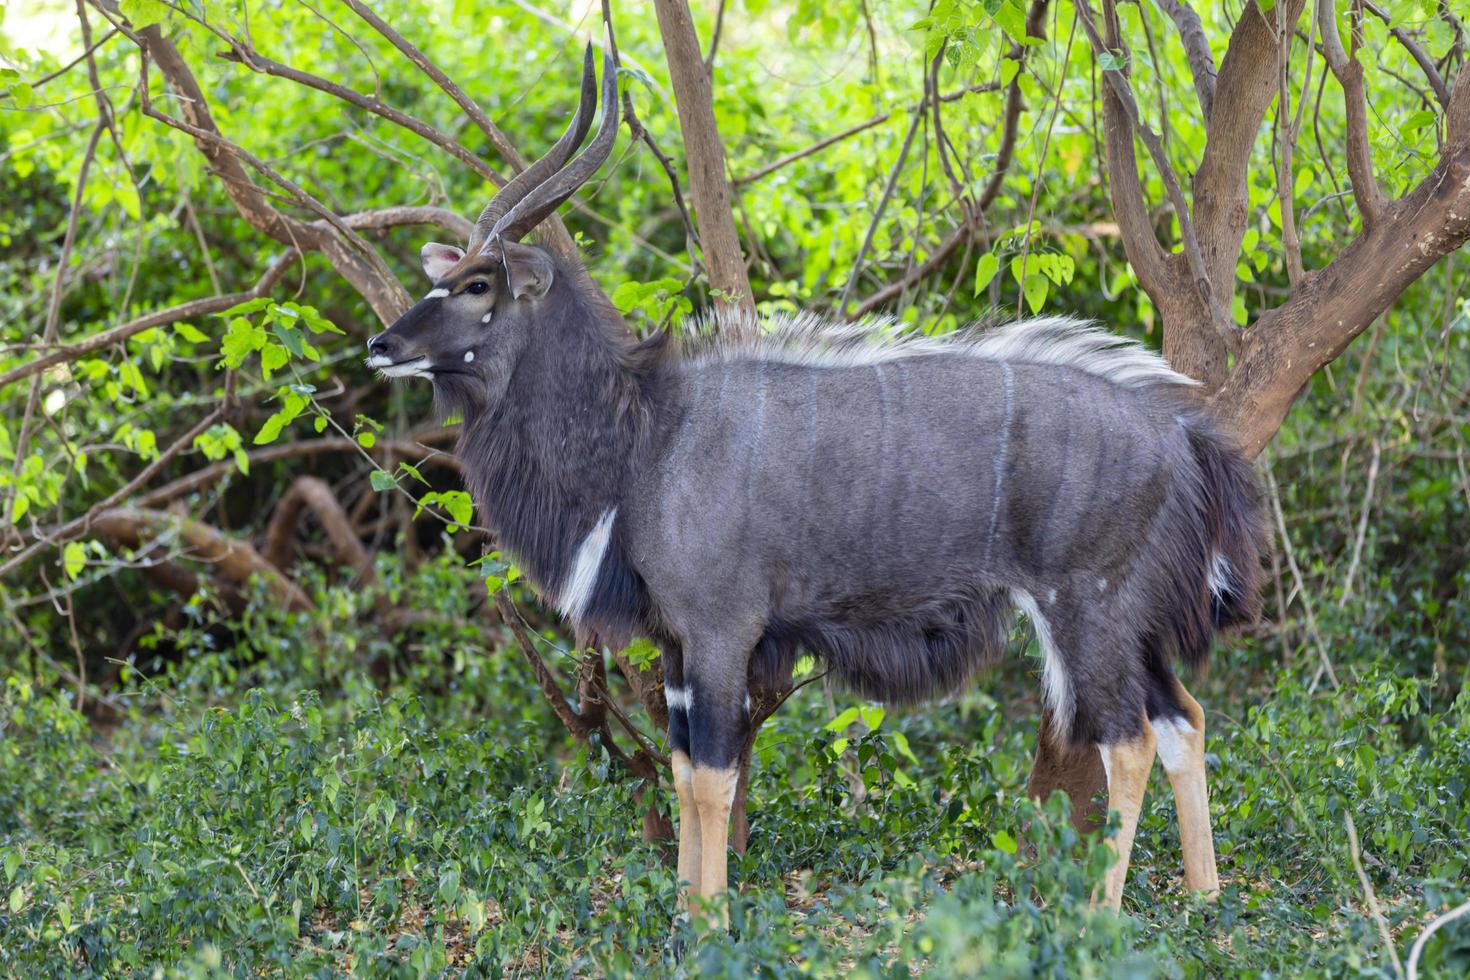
(528, 269)
(439, 259)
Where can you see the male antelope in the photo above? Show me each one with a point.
(882, 502)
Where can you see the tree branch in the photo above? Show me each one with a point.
(1420, 56)
(705, 155)
(1349, 74)
(1287, 345)
(1196, 51)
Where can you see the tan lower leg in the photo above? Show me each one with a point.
(1181, 746)
(714, 790)
(689, 838)
(1127, 765)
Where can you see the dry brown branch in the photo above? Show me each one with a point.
(242, 53)
(203, 477)
(704, 154)
(1349, 74)
(232, 559)
(1125, 121)
(173, 314)
(313, 494)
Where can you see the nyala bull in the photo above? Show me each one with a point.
(885, 503)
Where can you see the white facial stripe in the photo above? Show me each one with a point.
(1220, 579)
(583, 579)
(679, 698)
(436, 294)
(486, 318)
(1173, 742)
(469, 355)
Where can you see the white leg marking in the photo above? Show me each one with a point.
(583, 579)
(469, 355)
(679, 698)
(436, 294)
(1172, 749)
(1054, 680)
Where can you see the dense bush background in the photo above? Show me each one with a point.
(203, 781)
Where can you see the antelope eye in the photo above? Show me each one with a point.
(477, 287)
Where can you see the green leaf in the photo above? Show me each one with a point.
(74, 558)
(1112, 61)
(1008, 69)
(273, 357)
(1035, 289)
(190, 333)
(449, 885)
(17, 899)
(844, 719)
(382, 480)
(18, 508)
(12, 864)
(1003, 841)
(141, 13)
(366, 440)
(985, 271)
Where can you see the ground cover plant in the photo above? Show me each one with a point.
(272, 703)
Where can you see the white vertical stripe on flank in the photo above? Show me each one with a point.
(583, 579)
(1054, 681)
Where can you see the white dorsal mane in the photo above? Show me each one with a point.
(815, 341)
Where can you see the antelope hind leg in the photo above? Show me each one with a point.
(1127, 765)
(1181, 748)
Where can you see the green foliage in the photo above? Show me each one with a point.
(248, 791)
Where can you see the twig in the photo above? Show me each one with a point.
(1347, 585)
(1439, 923)
(1301, 588)
(1421, 58)
(861, 127)
(888, 189)
(1373, 906)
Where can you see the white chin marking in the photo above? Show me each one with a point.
(416, 368)
(578, 590)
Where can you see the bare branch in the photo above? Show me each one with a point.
(1120, 95)
(1349, 74)
(1196, 51)
(861, 127)
(1420, 56)
(159, 318)
(705, 156)
(229, 557)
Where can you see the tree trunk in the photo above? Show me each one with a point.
(705, 156)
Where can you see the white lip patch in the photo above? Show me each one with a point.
(416, 368)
